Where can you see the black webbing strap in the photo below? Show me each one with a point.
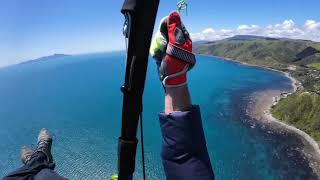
(142, 14)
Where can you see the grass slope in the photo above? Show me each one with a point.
(302, 110)
(315, 65)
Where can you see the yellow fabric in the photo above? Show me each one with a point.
(114, 177)
(159, 42)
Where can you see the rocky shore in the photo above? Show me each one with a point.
(260, 111)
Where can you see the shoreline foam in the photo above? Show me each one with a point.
(260, 111)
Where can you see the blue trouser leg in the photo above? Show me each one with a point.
(37, 168)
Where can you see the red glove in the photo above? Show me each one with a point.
(179, 57)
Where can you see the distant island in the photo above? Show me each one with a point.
(45, 58)
(299, 58)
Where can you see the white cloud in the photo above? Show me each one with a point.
(312, 25)
(208, 31)
(287, 24)
(287, 29)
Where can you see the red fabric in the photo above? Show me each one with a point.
(175, 65)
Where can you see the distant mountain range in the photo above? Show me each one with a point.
(45, 58)
(250, 38)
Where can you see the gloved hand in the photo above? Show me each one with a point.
(172, 50)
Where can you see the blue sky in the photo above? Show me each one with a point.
(35, 28)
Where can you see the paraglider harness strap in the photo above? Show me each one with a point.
(129, 147)
(140, 16)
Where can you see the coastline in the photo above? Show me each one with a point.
(260, 110)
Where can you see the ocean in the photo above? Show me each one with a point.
(78, 99)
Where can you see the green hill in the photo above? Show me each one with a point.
(300, 58)
(302, 109)
(263, 51)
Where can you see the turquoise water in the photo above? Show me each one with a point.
(79, 100)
